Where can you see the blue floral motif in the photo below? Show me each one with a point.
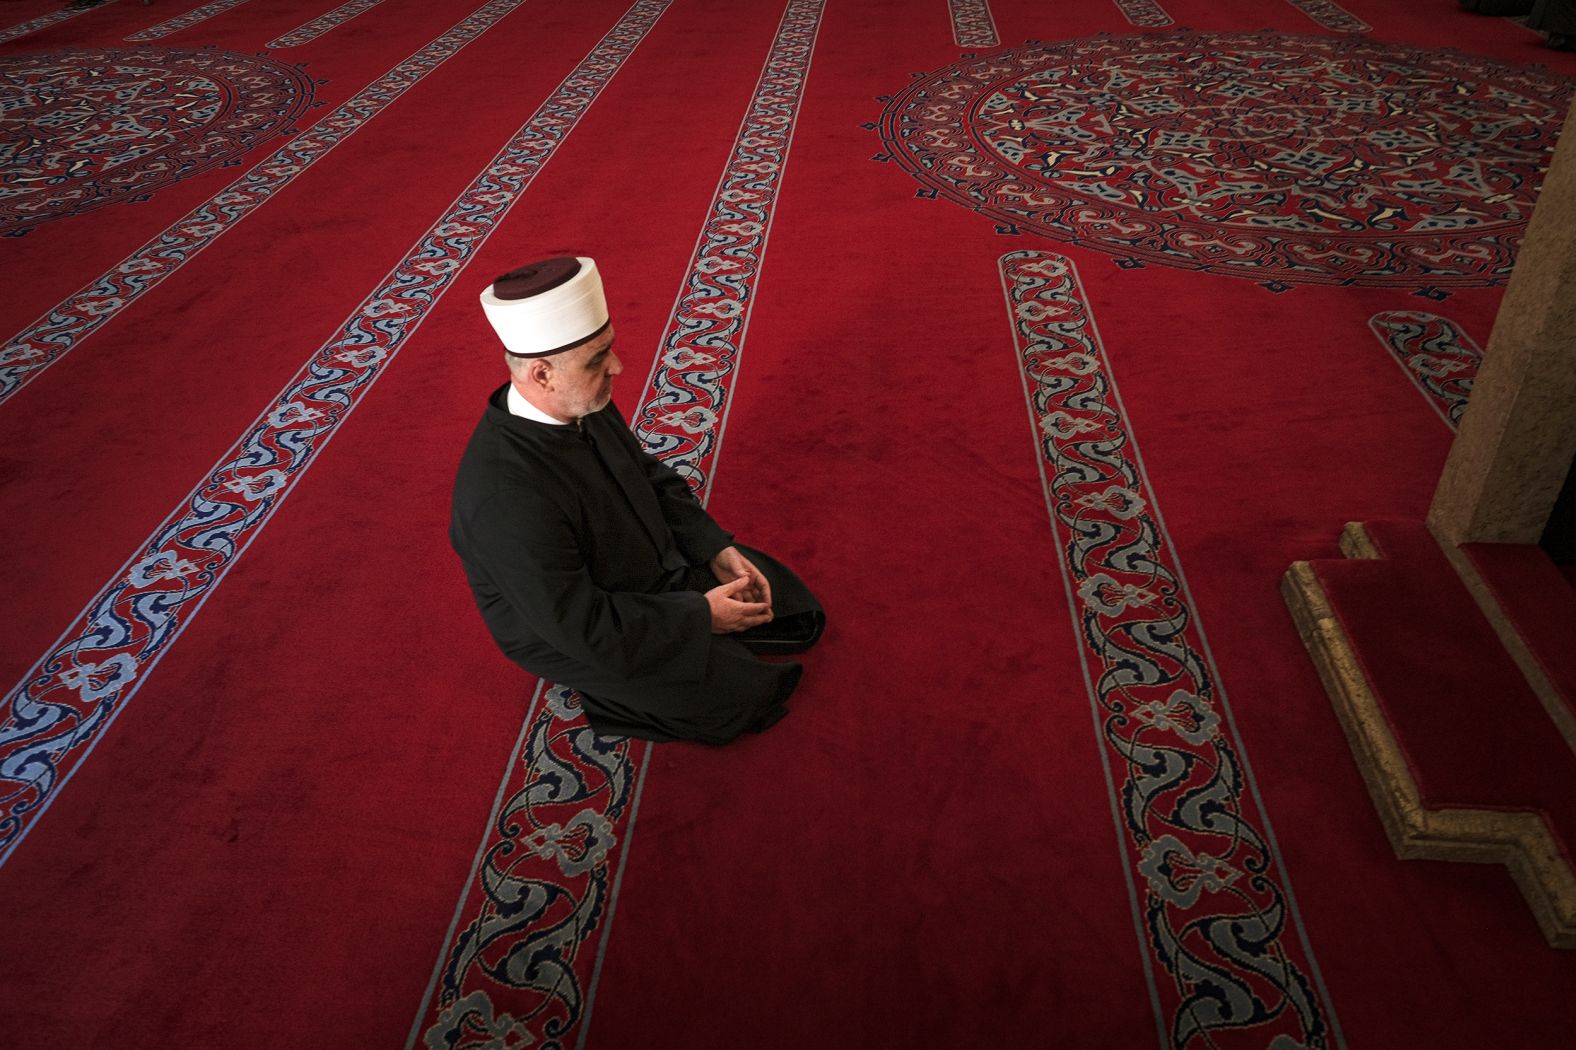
(1180, 876)
(578, 847)
(691, 376)
(474, 1015)
(186, 20)
(1190, 717)
(1146, 14)
(94, 681)
(1438, 356)
(309, 32)
(1331, 15)
(159, 567)
(1214, 903)
(972, 24)
(33, 25)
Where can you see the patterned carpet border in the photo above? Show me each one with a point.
(310, 31)
(1434, 352)
(972, 24)
(54, 716)
(522, 968)
(1331, 15)
(185, 21)
(691, 377)
(1217, 916)
(1146, 14)
(22, 29)
(61, 328)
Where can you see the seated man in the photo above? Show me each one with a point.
(1557, 18)
(593, 565)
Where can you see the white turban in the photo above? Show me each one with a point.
(547, 307)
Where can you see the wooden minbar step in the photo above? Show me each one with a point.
(1464, 758)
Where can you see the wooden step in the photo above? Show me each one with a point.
(1461, 757)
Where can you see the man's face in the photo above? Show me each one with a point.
(583, 377)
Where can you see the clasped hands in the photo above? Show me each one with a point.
(744, 599)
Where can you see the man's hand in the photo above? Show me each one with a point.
(729, 613)
(730, 565)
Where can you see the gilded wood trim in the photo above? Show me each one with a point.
(1357, 545)
(1519, 840)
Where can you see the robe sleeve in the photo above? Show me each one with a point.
(527, 546)
(698, 536)
(696, 533)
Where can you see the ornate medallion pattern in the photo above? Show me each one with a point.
(53, 717)
(27, 354)
(1236, 968)
(185, 21)
(1283, 159)
(972, 24)
(84, 129)
(310, 31)
(518, 970)
(1331, 16)
(1147, 14)
(1439, 357)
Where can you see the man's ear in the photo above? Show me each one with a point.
(541, 373)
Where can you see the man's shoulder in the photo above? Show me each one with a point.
(499, 465)
(509, 507)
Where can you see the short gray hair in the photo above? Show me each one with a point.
(518, 365)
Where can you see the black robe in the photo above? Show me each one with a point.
(1556, 18)
(587, 558)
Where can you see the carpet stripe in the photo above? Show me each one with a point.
(186, 21)
(481, 847)
(1217, 911)
(1331, 16)
(548, 879)
(1439, 358)
(691, 380)
(22, 29)
(310, 31)
(972, 24)
(60, 709)
(1147, 14)
(62, 327)
(612, 906)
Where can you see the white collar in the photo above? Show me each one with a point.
(519, 406)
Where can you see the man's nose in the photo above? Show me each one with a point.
(614, 365)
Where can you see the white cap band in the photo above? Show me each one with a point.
(546, 307)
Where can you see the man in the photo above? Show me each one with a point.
(1557, 18)
(593, 565)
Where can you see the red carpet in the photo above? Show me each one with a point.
(274, 786)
